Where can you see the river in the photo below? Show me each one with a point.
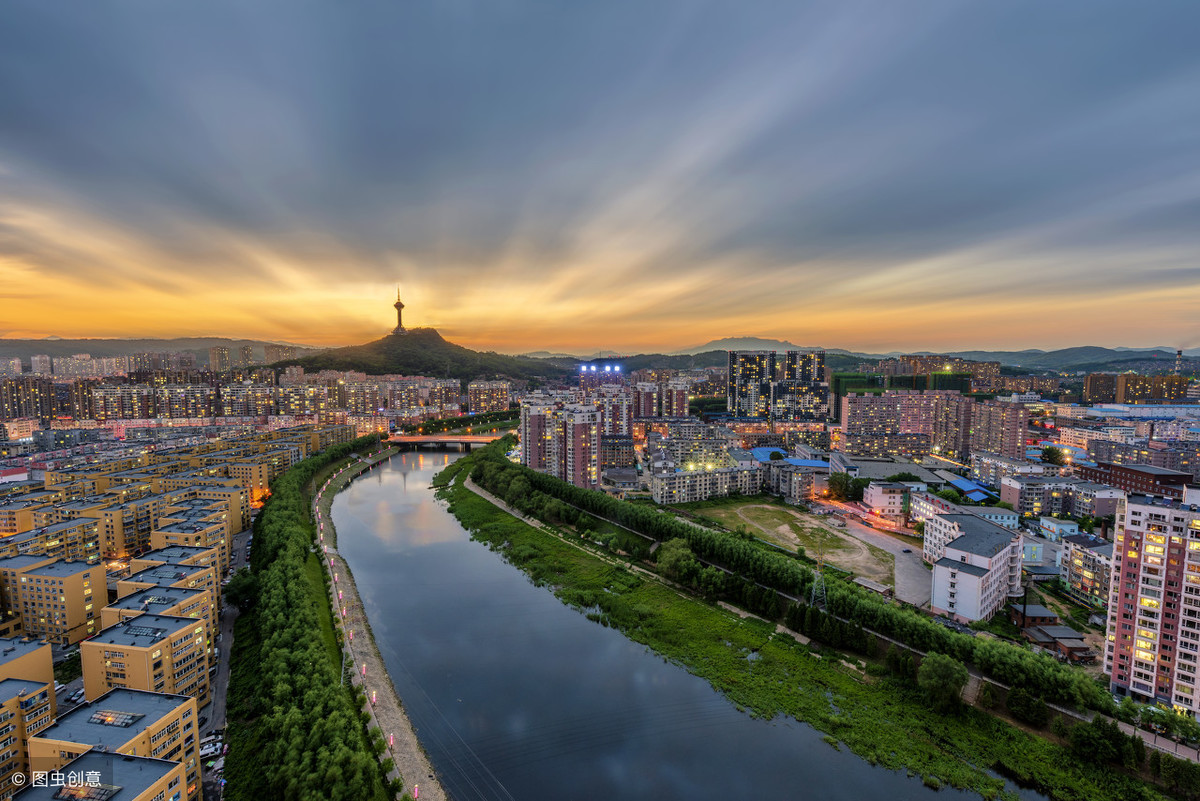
(516, 696)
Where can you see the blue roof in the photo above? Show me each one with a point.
(977, 495)
(807, 462)
(764, 454)
(964, 485)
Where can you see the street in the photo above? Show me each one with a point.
(219, 682)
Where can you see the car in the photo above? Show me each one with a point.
(210, 750)
(908, 550)
(58, 688)
(203, 720)
(77, 696)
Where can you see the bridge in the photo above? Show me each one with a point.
(463, 441)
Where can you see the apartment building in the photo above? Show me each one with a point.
(1035, 496)
(697, 485)
(138, 779)
(171, 601)
(26, 708)
(978, 571)
(1140, 479)
(1000, 428)
(56, 601)
(126, 722)
(489, 396)
(157, 653)
(1087, 564)
(990, 468)
(1153, 647)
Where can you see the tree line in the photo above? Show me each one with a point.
(757, 564)
(295, 732)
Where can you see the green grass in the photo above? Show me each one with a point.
(315, 574)
(884, 721)
(69, 669)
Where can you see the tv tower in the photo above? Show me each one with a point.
(399, 306)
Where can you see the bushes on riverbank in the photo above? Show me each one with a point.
(532, 492)
(294, 731)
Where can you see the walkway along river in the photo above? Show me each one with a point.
(517, 696)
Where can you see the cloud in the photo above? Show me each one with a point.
(541, 175)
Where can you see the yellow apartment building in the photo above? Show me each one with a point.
(57, 601)
(158, 653)
(129, 723)
(121, 778)
(26, 708)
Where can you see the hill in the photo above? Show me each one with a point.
(423, 351)
(105, 348)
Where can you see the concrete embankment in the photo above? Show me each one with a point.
(364, 662)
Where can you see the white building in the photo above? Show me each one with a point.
(697, 485)
(979, 571)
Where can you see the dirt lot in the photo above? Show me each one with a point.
(791, 529)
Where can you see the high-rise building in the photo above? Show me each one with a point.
(40, 365)
(279, 353)
(804, 365)
(10, 367)
(646, 400)
(1000, 428)
(245, 355)
(218, 359)
(1100, 388)
(575, 445)
(1153, 645)
(562, 440)
(674, 395)
(26, 396)
(749, 383)
(535, 433)
(488, 396)
(1133, 388)
(616, 410)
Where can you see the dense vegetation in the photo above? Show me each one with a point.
(422, 351)
(440, 424)
(881, 711)
(764, 567)
(294, 731)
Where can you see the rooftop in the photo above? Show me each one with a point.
(980, 537)
(123, 778)
(166, 574)
(114, 718)
(11, 688)
(154, 599)
(144, 630)
(17, 647)
(954, 564)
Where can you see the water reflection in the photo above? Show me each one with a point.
(516, 696)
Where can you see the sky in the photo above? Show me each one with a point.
(620, 175)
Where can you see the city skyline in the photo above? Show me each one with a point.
(618, 177)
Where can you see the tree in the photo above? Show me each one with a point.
(676, 561)
(905, 476)
(942, 679)
(841, 486)
(242, 590)
(776, 456)
(1005, 505)
(1053, 455)
(950, 494)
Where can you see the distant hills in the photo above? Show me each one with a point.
(423, 351)
(1066, 359)
(105, 348)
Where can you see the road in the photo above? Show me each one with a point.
(219, 682)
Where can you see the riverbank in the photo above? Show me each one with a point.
(881, 717)
(366, 666)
